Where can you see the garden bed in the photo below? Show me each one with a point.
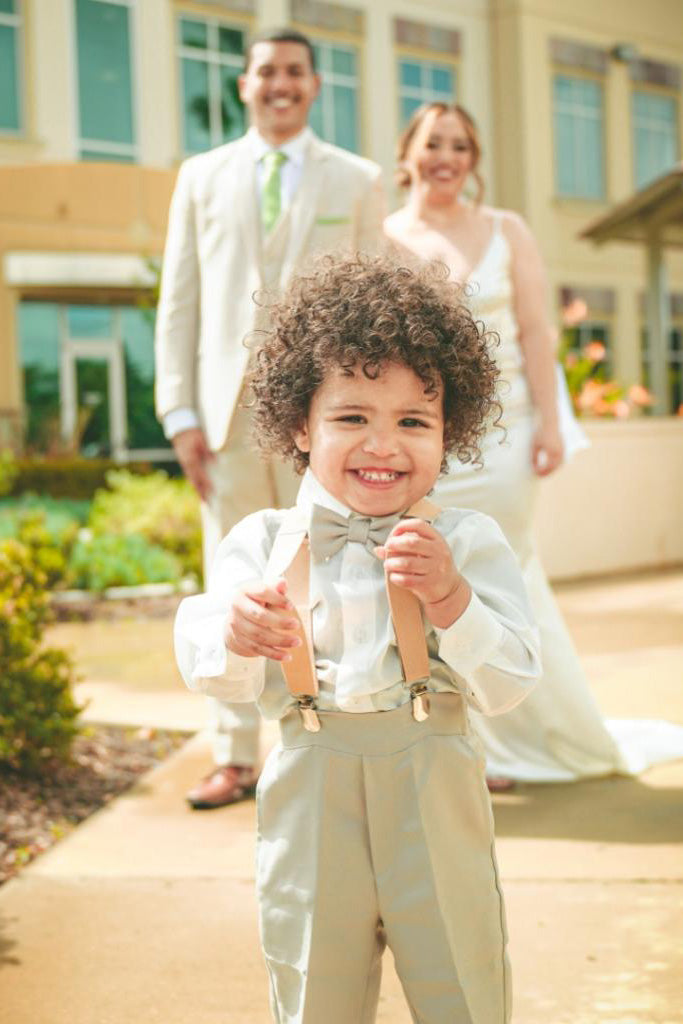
(106, 761)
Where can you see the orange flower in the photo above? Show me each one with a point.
(574, 313)
(640, 395)
(591, 392)
(621, 409)
(595, 351)
(570, 360)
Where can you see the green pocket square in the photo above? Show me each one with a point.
(332, 220)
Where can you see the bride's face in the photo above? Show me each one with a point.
(440, 156)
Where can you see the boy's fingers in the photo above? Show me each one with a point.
(267, 594)
(418, 526)
(414, 565)
(257, 616)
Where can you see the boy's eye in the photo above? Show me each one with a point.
(352, 417)
(411, 421)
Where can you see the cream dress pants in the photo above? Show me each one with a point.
(243, 482)
(378, 830)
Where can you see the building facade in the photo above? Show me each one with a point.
(579, 105)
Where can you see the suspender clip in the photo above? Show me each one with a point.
(420, 701)
(309, 714)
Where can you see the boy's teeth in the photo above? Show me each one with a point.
(385, 476)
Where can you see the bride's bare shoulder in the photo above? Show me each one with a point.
(397, 223)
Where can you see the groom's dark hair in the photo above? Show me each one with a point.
(280, 35)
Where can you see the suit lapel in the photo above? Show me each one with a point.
(245, 199)
(304, 207)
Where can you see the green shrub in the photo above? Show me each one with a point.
(60, 514)
(8, 471)
(38, 715)
(165, 512)
(72, 477)
(108, 560)
(48, 527)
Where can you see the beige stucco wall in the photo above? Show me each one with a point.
(84, 208)
(617, 506)
(522, 74)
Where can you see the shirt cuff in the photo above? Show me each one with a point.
(177, 420)
(472, 638)
(206, 664)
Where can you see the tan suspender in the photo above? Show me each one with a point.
(406, 614)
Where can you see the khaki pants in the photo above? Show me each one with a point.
(243, 482)
(378, 829)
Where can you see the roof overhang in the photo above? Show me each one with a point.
(654, 215)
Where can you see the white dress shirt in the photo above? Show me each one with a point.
(490, 654)
(290, 176)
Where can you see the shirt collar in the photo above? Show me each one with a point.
(294, 149)
(313, 493)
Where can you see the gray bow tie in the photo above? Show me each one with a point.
(329, 531)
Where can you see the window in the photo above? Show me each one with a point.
(577, 338)
(105, 88)
(71, 354)
(10, 96)
(655, 135)
(579, 149)
(423, 81)
(211, 58)
(674, 398)
(334, 115)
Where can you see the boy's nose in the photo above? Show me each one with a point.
(381, 442)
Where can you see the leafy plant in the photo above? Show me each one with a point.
(591, 393)
(8, 471)
(38, 715)
(164, 511)
(105, 560)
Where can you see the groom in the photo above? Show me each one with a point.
(244, 217)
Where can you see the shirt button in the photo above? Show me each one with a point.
(360, 634)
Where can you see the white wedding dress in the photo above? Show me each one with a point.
(557, 734)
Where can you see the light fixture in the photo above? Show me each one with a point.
(625, 52)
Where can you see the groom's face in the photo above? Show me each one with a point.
(278, 89)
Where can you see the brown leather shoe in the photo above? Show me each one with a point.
(226, 784)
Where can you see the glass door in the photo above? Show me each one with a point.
(93, 397)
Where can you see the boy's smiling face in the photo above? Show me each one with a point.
(375, 445)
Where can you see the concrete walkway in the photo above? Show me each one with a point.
(146, 912)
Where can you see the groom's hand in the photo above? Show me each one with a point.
(194, 456)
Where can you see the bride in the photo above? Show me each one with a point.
(558, 733)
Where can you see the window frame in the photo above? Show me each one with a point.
(673, 357)
(16, 21)
(215, 60)
(664, 93)
(579, 74)
(404, 53)
(130, 152)
(343, 42)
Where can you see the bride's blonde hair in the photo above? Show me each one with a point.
(402, 175)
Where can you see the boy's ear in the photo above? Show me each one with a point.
(301, 438)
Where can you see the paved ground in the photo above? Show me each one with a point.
(146, 913)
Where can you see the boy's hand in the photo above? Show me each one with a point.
(417, 557)
(260, 623)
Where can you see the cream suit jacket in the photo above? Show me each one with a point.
(214, 264)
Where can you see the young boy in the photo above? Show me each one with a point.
(374, 818)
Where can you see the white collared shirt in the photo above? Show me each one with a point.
(490, 654)
(292, 169)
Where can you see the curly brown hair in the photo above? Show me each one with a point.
(368, 311)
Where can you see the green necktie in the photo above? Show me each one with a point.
(270, 189)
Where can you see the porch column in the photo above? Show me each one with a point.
(658, 326)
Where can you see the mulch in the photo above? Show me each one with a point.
(105, 761)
